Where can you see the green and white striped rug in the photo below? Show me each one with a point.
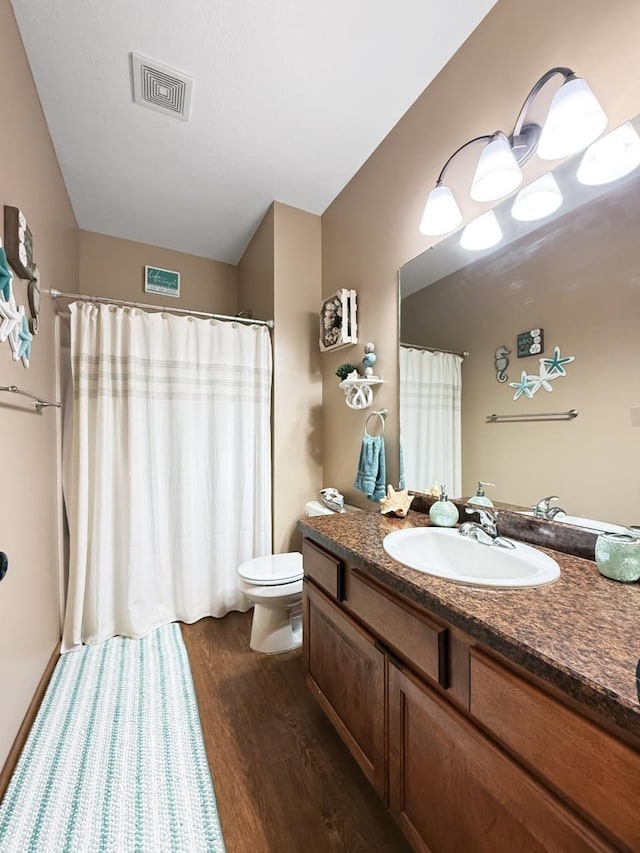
(115, 761)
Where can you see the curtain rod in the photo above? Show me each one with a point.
(435, 349)
(58, 294)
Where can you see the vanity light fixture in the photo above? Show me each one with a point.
(498, 172)
(537, 200)
(612, 157)
(441, 212)
(482, 233)
(574, 120)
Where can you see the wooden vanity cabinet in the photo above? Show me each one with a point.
(468, 754)
(346, 672)
(452, 790)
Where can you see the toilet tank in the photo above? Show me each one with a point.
(317, 508)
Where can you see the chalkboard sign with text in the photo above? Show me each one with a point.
(530, 343)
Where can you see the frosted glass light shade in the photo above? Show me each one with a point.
(498, 172)
(575, 119)
(481, 233)
(539, 199)
(441, 213)
(612, 157)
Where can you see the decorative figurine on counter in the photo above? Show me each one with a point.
(396, 503)
(332, 499)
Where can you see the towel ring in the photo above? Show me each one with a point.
(382, 414)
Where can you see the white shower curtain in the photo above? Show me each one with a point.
(171, 468)
(430, 419)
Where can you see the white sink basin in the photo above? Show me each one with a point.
(588, 523)
(446, 554)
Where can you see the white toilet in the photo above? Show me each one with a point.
(274, 585)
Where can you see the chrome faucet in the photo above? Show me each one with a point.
(543, 509)
(485, 531)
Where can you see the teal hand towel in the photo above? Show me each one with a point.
(372, 474)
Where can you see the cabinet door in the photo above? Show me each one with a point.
(346, 673)
(451, 789)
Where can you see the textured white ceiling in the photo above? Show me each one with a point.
(290, 98)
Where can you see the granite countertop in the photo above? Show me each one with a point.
(580, 633)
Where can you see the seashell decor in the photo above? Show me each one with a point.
(396, 503)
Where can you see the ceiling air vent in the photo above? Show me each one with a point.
(161, 88)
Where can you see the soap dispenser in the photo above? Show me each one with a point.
(480, 499)
(443, 512)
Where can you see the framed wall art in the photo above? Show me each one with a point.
(530, 343)
(165, 282)
(18, 241)
(338, 324)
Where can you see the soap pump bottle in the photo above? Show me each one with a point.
(480, 499)
(443, 512)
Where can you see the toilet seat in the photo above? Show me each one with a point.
(269, 593)
(272, 569)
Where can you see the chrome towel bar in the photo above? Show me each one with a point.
(40, 402)
(540, 416)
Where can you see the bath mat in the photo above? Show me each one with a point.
(115, 761)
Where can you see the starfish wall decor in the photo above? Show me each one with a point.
(550, 369)
(14, 325)
(9, 317)
(6, 276)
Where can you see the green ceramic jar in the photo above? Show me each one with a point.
(618, 556)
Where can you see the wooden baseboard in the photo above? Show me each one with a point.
(23, 732)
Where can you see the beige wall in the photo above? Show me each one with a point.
(371, 229)
(580, 286)
(29, 179)
(256, 271)
(280, 278)
(110, 266)
(297, 396)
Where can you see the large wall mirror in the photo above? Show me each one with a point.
(575, 276)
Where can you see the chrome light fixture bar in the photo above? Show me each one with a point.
(574, 120)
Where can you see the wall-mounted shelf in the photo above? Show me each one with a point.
(358, 393)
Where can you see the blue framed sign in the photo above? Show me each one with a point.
(165, 282)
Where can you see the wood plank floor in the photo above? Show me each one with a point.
(284, 781)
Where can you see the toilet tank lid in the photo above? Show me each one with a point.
(274, 568)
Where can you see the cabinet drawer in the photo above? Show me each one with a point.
(323, 568)
(595, 771)
(414, 638)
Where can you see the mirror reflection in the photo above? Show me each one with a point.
(540, 331)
